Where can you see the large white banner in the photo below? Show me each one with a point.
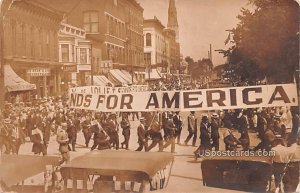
(191, 100)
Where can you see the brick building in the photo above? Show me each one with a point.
(115, 29)
(31, 45)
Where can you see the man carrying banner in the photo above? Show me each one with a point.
(155, 134)
(170, 134)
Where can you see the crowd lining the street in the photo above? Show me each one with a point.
(38, 121)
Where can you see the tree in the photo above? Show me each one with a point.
(190, 62)
(266, 42)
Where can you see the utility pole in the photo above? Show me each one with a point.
(210, 53)
(92, 65)
(2, 87)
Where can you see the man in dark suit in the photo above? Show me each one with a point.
(178, 126)
(112, 127)
(142, 139)
(214, 125)
(170, 135)
(204, 136)
(192, 128)
(72, 133)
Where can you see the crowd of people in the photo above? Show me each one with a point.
(38, 121)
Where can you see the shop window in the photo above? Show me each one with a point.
(91, 21)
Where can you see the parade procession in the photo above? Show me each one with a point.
(104, 96)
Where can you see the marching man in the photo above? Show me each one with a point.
(63, 141)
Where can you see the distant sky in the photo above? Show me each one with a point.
(201, 22)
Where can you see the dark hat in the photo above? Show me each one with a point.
(214, 115)
(112, 115)
(193, 112)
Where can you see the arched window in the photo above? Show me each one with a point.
(148, 39)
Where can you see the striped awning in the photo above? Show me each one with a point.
(99, 81)
(14, 82)
(120, 77)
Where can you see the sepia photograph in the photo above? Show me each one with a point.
(138, 96)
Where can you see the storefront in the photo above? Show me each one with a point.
(17, 89)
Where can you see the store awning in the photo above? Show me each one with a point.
(154, 75)
(13, 82)
(119, 78)
(100, 81)
(129, 76)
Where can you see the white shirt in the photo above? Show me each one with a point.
(294, 152)
(282, 154)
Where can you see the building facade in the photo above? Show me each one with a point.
(155, 51)
(75, 55)
(161, 50)
(115, 29)
(31, 45)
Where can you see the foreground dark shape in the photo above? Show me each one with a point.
(240, 173)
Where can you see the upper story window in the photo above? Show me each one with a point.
(83, 56)
(65, 53)
(91, 21)
(148, 39)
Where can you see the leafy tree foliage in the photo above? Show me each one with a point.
(200, 68)
(266, 42)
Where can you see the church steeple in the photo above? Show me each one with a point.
(172, 18)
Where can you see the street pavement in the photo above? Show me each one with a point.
(185, 177)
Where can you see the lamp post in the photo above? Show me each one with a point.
(1, 55)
